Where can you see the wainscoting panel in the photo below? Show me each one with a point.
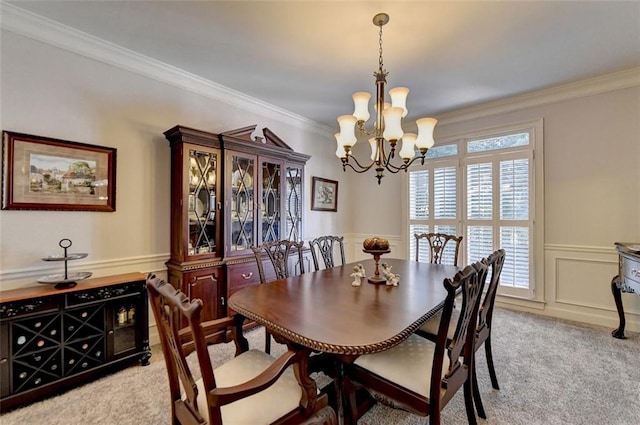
(573, 278)
(578, 286)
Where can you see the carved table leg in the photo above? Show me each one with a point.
(617, 296)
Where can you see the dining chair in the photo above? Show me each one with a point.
(325, 247)
(250, 388)
(419, 375)
(280, 254)
(429, 330)
(438, 243)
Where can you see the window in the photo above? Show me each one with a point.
(482, 187)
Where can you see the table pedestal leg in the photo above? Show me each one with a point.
(376, 275)
(617, 296)
(338, 382)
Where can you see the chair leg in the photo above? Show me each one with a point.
(476, 396)
(267, 342)
(489, 355)
(468, 399)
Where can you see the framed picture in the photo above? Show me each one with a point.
(40, 173)
(324, 194)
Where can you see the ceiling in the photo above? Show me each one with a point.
(308, 57)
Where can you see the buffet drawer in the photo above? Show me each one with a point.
(631, 269)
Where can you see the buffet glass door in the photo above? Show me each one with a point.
(203, 175)
(242, 202)
(271, 204)
(293, 204)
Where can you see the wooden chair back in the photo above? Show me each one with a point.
(169, 307)
(495, 262)
(325, 247)
(279, 254)
(469, 282)
(437, 243)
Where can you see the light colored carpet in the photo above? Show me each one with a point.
(550, 372)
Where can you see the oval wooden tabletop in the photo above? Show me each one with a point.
(323, 311)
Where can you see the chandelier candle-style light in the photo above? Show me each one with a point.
(387, 128)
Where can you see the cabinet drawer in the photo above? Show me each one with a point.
(630, 270)
(241, 276)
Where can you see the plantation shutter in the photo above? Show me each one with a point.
(444, 192)
(418, 210)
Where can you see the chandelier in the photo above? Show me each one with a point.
(387, 129)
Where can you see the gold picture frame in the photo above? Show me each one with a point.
(324, 194)
(42, 173)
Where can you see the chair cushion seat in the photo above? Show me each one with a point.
(408, 364)
(431, 326)
(261, 408)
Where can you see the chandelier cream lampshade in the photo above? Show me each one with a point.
(387, 128)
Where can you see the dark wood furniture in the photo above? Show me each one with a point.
(250, 388)
(421, 376)
(627, 279)
(325, 247)
(322, 311)
(438, 244)
(229, 191)
(54, 339)
(279, 254)
(494, 262)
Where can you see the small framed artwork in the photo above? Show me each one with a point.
(41, 173)
(324, 194)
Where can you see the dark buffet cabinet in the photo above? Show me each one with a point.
(53, 339)
(229, 192)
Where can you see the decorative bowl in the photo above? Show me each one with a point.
(376, 243)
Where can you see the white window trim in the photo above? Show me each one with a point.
(536, 130)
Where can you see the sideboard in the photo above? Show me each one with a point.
(54, 339)
(627, 279)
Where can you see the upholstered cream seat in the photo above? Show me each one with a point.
(262, 408)
(403, 363)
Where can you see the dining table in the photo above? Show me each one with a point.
(324, 311)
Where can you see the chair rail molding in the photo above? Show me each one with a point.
(12, 279)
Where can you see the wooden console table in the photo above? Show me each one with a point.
(53, 339)
(627, 280)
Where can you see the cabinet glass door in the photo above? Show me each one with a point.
(123, 333)
(293, 204)
(271, 205)
(242, 202)
(203, 167)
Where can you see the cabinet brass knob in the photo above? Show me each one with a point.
(247, 276)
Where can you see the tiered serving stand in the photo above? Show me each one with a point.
(66, 280)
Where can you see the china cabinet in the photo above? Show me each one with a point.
(53, 339)
(229, 191)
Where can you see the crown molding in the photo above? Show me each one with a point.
(30, 25)
(589, 87)
(27, 24)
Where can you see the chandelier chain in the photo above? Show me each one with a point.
(380, 62)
